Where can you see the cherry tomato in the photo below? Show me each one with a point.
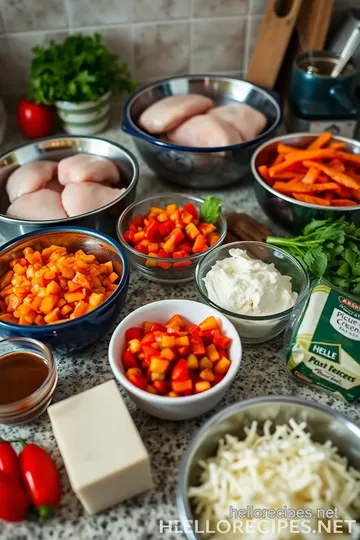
(34, 120)
(9, 462)
(13, 500)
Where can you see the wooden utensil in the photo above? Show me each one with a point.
(272, 42)
(313, 24)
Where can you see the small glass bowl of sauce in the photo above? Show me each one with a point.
(28, 379)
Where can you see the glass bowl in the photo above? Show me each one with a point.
(255, 328)
(160, 269)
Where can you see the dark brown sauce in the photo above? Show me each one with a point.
(324, 67)
(21, 374)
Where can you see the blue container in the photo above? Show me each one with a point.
(80, 332)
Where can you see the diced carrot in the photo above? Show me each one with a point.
(48, 303)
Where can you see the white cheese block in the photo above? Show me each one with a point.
(104, 456)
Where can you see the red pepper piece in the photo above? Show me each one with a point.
(165, 228)
(141, 248)
(161, 386)
(179, 255)
(135, 376)
(189, 207)
(13, 499)
(129, 237)
(180, 371)
(197, 345)
(41, 479)
(164, 265)
(184, 247)
(157, 327)
(9, 462)
(152, 231)
(148, 338)
(137, 221)
(182, 386)
(129, 360)
(222, 341)
(199, 244)
(134, 333)
(149, 351)
(207, 336)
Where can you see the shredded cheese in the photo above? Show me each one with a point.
(280, 468)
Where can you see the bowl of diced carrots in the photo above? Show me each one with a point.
(303, 176)
(63, 286)
(176, 358)
(166, 235)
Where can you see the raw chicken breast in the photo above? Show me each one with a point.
(170, 112)
(81, 198)
(41, 205)
(87, 168)
(55, 186)
(245, 119)
(29, 178)
(205, 131)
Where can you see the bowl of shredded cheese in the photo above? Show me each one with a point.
(272, 467)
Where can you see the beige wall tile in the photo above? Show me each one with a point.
(2, 27)
(20, 15)
(160, 50)
(257, 7)
(254, 27)
(219, 8)
(218, 45)
(159, 10)
(116, 39)
(93, 13)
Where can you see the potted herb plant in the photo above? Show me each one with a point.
(78, 77)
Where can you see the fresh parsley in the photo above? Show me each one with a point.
(78, 70)
(210, 209)
(328, 248)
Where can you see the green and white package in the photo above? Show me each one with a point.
(324, 349)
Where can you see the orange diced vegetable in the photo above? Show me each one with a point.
(202, 386)
(205, 363)
(158, 365)
(207, 375)
(222, 365)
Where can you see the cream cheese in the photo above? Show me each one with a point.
(249, 286)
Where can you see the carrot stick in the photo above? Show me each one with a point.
(344, 192)
(297, 157)
(323, 178)
(337, 164)
(343, 202)
(285, 148)
(329, 196)
(311, 199)
(338, 176)
(311, 176)
(337, 145)
(356, 194)
(320, 141)
(346, 156)
(279, 159)
(264, 172)
(285, 175)
(299, 187)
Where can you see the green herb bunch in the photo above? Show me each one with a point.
(79, 70)
(330, 249)
(210, 209)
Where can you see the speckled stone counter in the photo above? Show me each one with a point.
(262, 372)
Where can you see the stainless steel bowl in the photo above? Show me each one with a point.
(289, 212)
(200, 167)
(323, 423)
(56, 148)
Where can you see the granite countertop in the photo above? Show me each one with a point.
(262, 372)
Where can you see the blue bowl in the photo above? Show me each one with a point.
(200, 167)
(83, 331)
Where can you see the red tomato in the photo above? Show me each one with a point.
(34, 120)
(13, 500)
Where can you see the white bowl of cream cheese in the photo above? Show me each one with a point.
(255, 285)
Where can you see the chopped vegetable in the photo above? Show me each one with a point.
(330, 249)
(54, 286)
(176, 359)
(322, 174)
(174, 232)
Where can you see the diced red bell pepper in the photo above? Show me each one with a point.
(189, 207)
(177, 320)
(190, 328)
(148, 338)
(165, 228)
(133, 333)
(179, 255)
(129, 360)
(137, 221)
(149, 351)
(184, 247)
(157, 327)
(218, 377)
(135, 376)
(206, 228)
(177, 235)
(163, 265)
(152, 231)
(182, 386)
(210, 323)
(199, 244)
(186, 217)
(184, 350)
(129, 237)
(180, 371)
(141, 248)
(208, 336)
(222, 342)
(197, 345)
(162, 386)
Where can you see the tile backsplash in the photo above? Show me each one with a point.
(156, 38)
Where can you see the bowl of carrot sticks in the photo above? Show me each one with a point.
(302, 176)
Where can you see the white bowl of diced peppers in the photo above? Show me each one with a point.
(175, 358)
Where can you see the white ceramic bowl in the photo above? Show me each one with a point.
(166, 407)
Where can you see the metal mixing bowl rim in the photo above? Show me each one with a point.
(59, 222)
(285, 197)
(181, 496)
(253, 318)
(39, 329)
(139, 133)
(170, 194)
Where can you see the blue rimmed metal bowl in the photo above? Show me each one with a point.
(78, 333)
(200, 167)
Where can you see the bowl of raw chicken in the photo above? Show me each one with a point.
(200, 130)
(82, 181)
